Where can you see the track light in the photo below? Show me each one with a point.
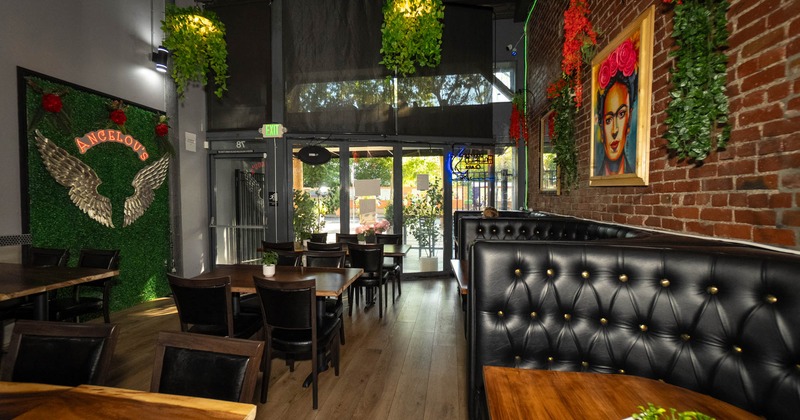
(160, 57)
(513, 48)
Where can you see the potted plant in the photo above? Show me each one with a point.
(268, 261)
(305, 218)
(195, 38)
(422, 216)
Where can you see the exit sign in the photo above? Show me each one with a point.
(272, 130)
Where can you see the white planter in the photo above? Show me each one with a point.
(429, 264)
(268, 270)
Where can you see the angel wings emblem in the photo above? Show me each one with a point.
(82, 182)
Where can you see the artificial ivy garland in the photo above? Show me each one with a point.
(196, 40)
(697, 115)
(411, 35)
(562, 102)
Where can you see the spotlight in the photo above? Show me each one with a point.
(160, 58)
(509, 47)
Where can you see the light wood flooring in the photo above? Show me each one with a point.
(410, 364)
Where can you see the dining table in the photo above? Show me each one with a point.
(19, 280)
(513, 393)
(88, 402)
(331, 282)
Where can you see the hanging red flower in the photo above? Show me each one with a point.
(162, 130)
(578, 37)
(117, 115)
(518, 126)
(52, 103)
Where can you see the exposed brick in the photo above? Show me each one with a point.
(753, 217)
(779, 162)
(686, 212)
(782, 126)
(780, 201)
(733, 231)
(779, 91)
(716, 215)
(717, 184)
(737, 200)
(791, 218)
(791, 180)
(772, 236)
(654, 222)
(764, 41)
(758, 201)
(701, 228)
(760, 115)
(736, 167)
(746, 134)
(719, 200)
(672, 224)
(757, 182)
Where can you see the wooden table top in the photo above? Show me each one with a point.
(330, 281)
(87, 402)
(461, 271)
(17, 280)
(540, 394)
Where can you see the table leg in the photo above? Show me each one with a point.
(41, 307)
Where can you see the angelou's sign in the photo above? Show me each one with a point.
(94, 138)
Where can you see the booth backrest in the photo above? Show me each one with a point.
(552, 228)
(723, 323)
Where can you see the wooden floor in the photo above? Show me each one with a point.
(410, 364)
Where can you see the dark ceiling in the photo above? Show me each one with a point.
(503, 9)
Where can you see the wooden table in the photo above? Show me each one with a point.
(540, 394)
(330, 281)
(87, 402)
(17, 280)
(461, 271)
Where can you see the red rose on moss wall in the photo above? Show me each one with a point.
(162, 130)
(118, 117)
(52, 103)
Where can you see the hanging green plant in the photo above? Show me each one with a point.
(196, 40)
(411, 35)
(562, 102)
(697, 115)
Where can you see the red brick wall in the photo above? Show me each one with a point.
(750, 190)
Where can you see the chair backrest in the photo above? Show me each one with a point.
(366, 256)
(59, 353)
(99, 258)
(205, 303)
(284, 246)
(319, 246)
(321, 237)
(333, 259)
(48, 257)
(348, 238)
(289, 258)
(288, 304)
(389, 238)
(206, 366)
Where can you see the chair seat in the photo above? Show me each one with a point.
(299, 341)
(250, 304)
(245, 325)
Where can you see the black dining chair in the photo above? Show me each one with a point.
(277, 246)
(98, 298)
(368, 257)
(393, 266)
(319, 246)
(321, 237)
(59, 353)
(294, 331)
(333, 259)
(347, 238)
(206, 366)
(205, 306)
(289, 258)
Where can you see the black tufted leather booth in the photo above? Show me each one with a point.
(724, 322)
(552, 228)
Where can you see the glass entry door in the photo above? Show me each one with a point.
(238, 212)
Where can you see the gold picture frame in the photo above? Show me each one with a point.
(622, 79)
(548, 170)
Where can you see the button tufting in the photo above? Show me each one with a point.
(797, 366)
(480, 230)
(623, 278)
(643, 328)
(772, 299)
(550, 271)
(585, 364)
(712, 290)
(664, 283)
(621, 371)
(550, 358)
(533, 314)
(603, 321)
(567, 317)
(499, 313)
(517, 358)
(737, 349)
(685, 337)
(585, 274)
(517, 272)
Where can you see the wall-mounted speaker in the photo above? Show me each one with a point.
(314, 155)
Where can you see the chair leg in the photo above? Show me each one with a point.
(380, 302)
(106, 301)
(267, 363)
(314, 376)
(350, 300)
(335, 356)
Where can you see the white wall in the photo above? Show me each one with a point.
(104, 45)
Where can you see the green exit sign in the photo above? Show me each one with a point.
(272, 130)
